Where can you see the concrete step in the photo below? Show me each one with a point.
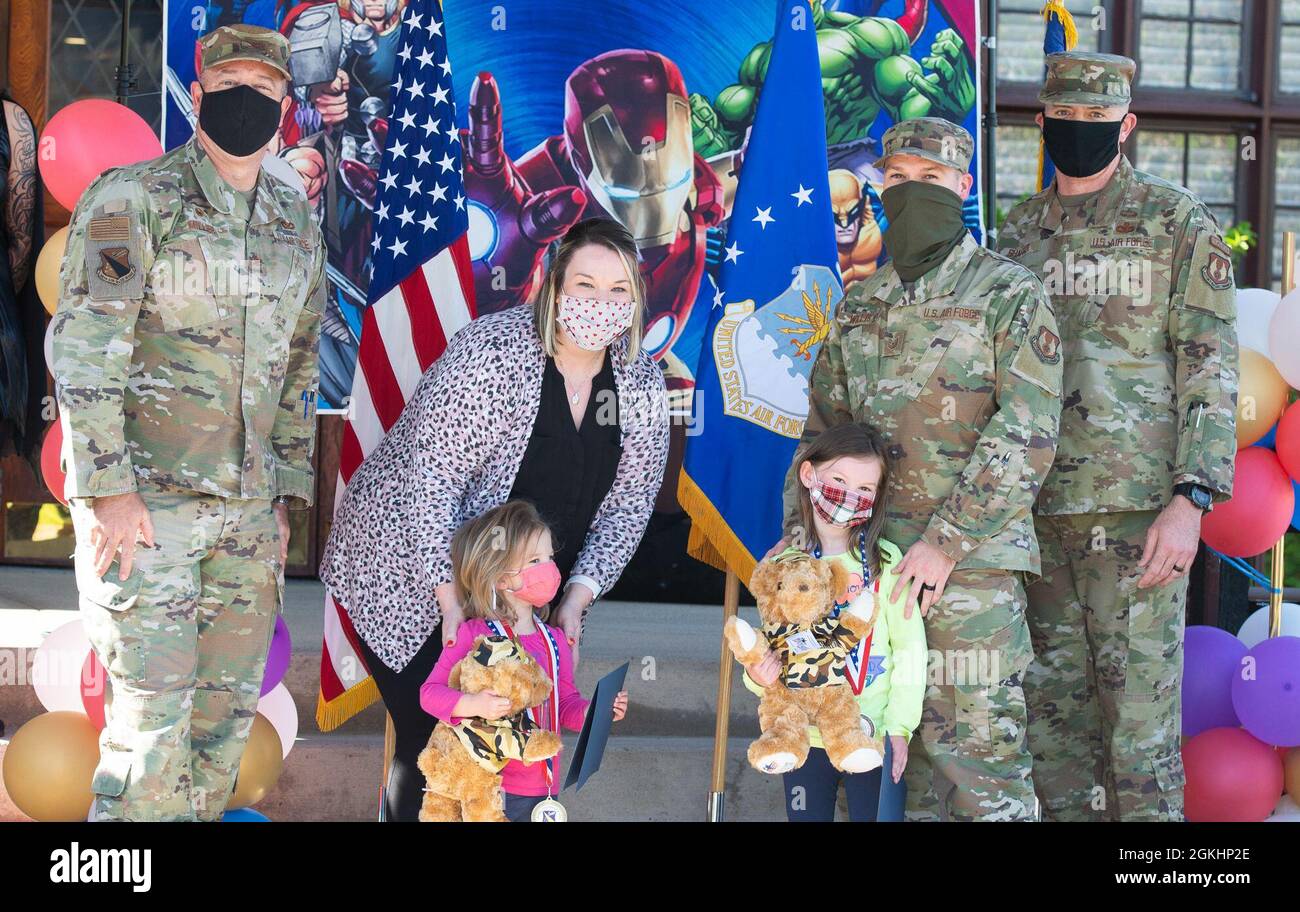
(657, 766)
(673, 649)
(337, 777)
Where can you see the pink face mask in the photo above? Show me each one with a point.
(538, 584)
(592, 323)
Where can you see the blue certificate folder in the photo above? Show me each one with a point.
(595, 729)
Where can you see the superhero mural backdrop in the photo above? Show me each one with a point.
(634, 110)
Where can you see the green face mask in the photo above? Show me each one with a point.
(924, 225)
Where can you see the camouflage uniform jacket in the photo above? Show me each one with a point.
(185, 343)
(961, 376)
(1142, 285)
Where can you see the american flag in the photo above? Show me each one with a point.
(421, 292)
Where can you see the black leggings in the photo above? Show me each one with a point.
(400, 691)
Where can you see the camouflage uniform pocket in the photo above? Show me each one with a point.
(112, 773)
(107, 591)
(1170, 780)
(189, 286)
(991, 719)
(955, 377)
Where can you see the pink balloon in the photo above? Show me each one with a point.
(1259, 511)
(52, 461)
(85, 139)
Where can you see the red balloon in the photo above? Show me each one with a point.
(51, 467)
(93, 682)
(1231, 776)
(1288, 441)
(1260, 510)
(85, 139)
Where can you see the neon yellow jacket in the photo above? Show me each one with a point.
(895, 683)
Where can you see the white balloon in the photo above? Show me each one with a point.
(1287, 811)
(49, 346)
(1255, 308)
(56, 668)
(282, 713)
(1284, 338)
(1254, 630)
(274, 164)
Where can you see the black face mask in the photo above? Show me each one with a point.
(925, 223)
(1081, 148)
(239, 119)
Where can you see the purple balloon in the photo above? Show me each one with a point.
(1266, 691)
(277, 657)
(1211, 657)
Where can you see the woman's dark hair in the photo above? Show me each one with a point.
(853, 439)
(602, 232)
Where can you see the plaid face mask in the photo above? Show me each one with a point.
(838, 505)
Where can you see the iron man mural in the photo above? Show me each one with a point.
(626, 152)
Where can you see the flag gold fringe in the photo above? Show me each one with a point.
(330, 714)
(1067, 21)
(711, 539)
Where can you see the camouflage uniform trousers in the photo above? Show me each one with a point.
(184, 642)
(974, 719)
(1104, 687)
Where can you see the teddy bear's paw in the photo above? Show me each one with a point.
(745, 635)
(776, 763)
(862, 760)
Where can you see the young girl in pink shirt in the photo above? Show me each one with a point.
(503, 570)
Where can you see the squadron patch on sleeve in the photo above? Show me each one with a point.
(1046, 345)
(113, 258)
(1217, 270)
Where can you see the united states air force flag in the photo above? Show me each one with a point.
(778, 289)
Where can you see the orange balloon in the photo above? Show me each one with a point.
(48, 264)
(49, 765)
(260, 767)
(1261, 397)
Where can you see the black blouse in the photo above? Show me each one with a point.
(567, 471)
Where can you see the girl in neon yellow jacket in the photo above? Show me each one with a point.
(843, 474)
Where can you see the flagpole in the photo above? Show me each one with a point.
(1278, 564)
(390, 747)
(730, 601)
(988, 155)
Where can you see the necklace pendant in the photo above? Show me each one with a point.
(574, 398)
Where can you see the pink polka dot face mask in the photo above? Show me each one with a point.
(593, 324)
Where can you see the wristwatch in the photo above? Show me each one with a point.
(1199, 495)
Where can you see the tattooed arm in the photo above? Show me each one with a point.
(21, 201)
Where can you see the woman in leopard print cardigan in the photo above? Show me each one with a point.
(456, 451)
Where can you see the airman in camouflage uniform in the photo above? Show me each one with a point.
(1142, 285)
(961, 374)
(185, 368)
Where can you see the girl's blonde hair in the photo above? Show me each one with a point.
(601, 232)
(857, 440)
(487, 547)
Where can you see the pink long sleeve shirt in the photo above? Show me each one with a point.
(517, 778)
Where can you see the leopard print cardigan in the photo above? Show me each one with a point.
(453, 454)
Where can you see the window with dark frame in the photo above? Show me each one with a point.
(1191, 44)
